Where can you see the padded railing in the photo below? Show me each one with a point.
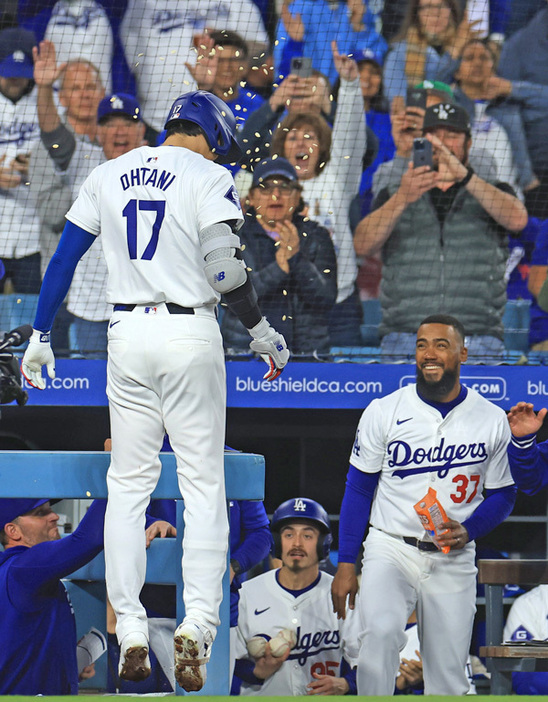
(82, 475)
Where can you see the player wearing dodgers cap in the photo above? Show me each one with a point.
(435, 434)
(296, 600)
(167, 218)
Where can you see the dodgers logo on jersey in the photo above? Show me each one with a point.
(310, 643)
(233, 197)
(441, 458)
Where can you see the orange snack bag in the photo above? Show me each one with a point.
(432, 516)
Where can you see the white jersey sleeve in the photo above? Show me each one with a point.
(85, 211)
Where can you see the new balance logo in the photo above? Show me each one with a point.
(299, 505)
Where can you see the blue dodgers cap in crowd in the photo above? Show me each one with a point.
(119, 104)
(16, 46)
(271, 167)
(13, 507)
(361, 55)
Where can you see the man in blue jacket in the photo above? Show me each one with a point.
(37, 626)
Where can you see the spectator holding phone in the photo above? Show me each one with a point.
(427, 45)
(495, 113)
(303, 90)
(446, 228)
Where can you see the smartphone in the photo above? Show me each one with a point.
(422, 153)
(301, 66)
(416, 97)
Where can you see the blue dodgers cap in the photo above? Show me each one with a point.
(361, 55)
(13, 507)
(16, 46)
(273, 167)
(119, 104)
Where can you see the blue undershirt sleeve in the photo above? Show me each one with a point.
(74, 243)
(37, 572)
(528, 463)
(355, 509)
(494, 509)
(349, 674)
(244, 668)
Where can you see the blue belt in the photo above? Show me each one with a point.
(171, 306)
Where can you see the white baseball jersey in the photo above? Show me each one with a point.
(528, 616)
(322, 640)
(19, 134)
(80, 29)
(87, 294)
(158, 41)
(415, 449)
(149, 206)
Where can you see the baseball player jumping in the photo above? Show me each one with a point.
(433, 446)
(293, 605)
(168, 218)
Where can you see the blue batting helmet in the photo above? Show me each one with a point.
(214, 117)
(302, 508)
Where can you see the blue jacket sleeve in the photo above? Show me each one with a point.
(528, 463)
(494, 509)
(73, 244)
(256, 539)
(37, 571)
(355, 509)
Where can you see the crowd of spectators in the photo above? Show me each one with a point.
(298, 75)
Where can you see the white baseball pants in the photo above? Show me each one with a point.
(166, 372)
(396, 579)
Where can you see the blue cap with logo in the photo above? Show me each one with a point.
(362, 55)
(119, 104)
(271, 167)
(13, 507)
(16, 46)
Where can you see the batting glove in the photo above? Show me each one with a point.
(271, 347)
(38, 354)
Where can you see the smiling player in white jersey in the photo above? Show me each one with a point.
(297, 598)
(436, 434)
(167, 218)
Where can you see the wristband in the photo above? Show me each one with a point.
(236, 567)
(468, 177)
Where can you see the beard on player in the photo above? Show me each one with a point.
(436, 390)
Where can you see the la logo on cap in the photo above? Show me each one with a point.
(117, 103)
(18, 56)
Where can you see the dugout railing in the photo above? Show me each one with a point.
(82, 475)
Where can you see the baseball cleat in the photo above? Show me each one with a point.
(134, 659)
(192, 651)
